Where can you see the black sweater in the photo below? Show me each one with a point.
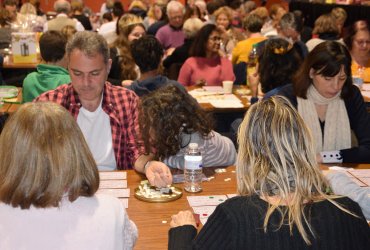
(359, 120)
(238, 224)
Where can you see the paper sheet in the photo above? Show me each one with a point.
(119, 193)
(206, 200)
(113, 184)
(204, 212)
(113, 175)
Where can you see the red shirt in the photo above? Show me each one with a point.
(121, 105)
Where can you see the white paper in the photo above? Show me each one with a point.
(119, 193)
(113, 175)
(204, 212)
(206, 200)
(218, 89)
(226, 104)
(360, 173)
(113, 184)
(366, 87)
(231, 195)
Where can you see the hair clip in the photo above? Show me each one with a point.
(282, 50)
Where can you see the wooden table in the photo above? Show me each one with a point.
(150, 218)
(12, 105)
(9, 64)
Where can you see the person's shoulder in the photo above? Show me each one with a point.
(163, 29)
(60, 92)
(119, 93)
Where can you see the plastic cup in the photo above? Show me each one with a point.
(228, 86)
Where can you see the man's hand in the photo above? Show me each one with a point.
(158, 174)
(183, 218)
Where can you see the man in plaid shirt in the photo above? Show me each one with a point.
(106, 114)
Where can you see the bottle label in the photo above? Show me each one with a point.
(193, 162)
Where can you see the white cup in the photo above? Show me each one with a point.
(228, 86)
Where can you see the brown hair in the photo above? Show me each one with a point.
(325, 24)
(125, 26)
(325, 59)
(44, 157)
(165, 114)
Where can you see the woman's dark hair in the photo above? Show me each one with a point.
(362, 25)
(278, 63)
(199, 46)
(325, 59)
(165, 114)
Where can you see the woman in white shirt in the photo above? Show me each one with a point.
(48, 180)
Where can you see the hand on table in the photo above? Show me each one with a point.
(183, 218)
(158, 174)
(200, 83)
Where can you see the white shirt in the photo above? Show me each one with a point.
(98, 222)
(79, 26)
(108, 31)
(97, 131)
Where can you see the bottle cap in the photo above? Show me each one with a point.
(193, 145)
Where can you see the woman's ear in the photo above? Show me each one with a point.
(312, 73)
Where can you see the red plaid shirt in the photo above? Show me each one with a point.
(121, 105)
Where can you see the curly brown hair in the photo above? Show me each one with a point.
(165, 114)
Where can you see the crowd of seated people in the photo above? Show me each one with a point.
(123, 85)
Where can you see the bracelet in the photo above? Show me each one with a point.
(146, 166)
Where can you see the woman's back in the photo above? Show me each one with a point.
(238, 224)
(98, 222)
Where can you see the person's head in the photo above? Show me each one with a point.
(147, 52)
(278, 63)
(130, 27)
(175, 13)
(325, 24)
(88, 64)
(28, 8)
(207, 40)
(276, 11)
(77, 6)
(107, 17)
(191, 27)
(165, 114)
(328, 68)
(223, 17)
(340, 16)
(212, 6)
(62, 6)
(253, 23)
(156, 11)
(5, 18)
(277, 158)
(52, 46)
(262, 12)
(11, 7)
(68, 31)
(117, 10)
(358, 39)
(290, 26)
(47, 158)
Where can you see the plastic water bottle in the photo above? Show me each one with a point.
(252, 61)
(193, 169)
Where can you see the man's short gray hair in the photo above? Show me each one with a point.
(291, 21)
(90, 43)
(173, 6)
(62, 6)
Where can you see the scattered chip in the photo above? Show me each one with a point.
(220, 170)
(227, 179)
(164, 221)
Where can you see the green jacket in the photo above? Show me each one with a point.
(46, 78)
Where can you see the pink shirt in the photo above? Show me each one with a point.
(212, 70)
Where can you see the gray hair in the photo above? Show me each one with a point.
(192, 26)
(90, 43)
(173, 6)
(289, 20)
(62, 6)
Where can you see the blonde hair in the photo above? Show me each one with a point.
(127, 21)
(43, 157)
(68, 31)
(224, 10)
(28, 8)
(261, 12)
(325, 24)
(339, 14)
(192, 26)
(277, 158)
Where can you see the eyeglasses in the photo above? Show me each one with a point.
(215, 38)
(362, 42)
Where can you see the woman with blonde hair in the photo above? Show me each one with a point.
(282, 202)
(124, 69)
(48, 181)
(325, 29)
(230, 35)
